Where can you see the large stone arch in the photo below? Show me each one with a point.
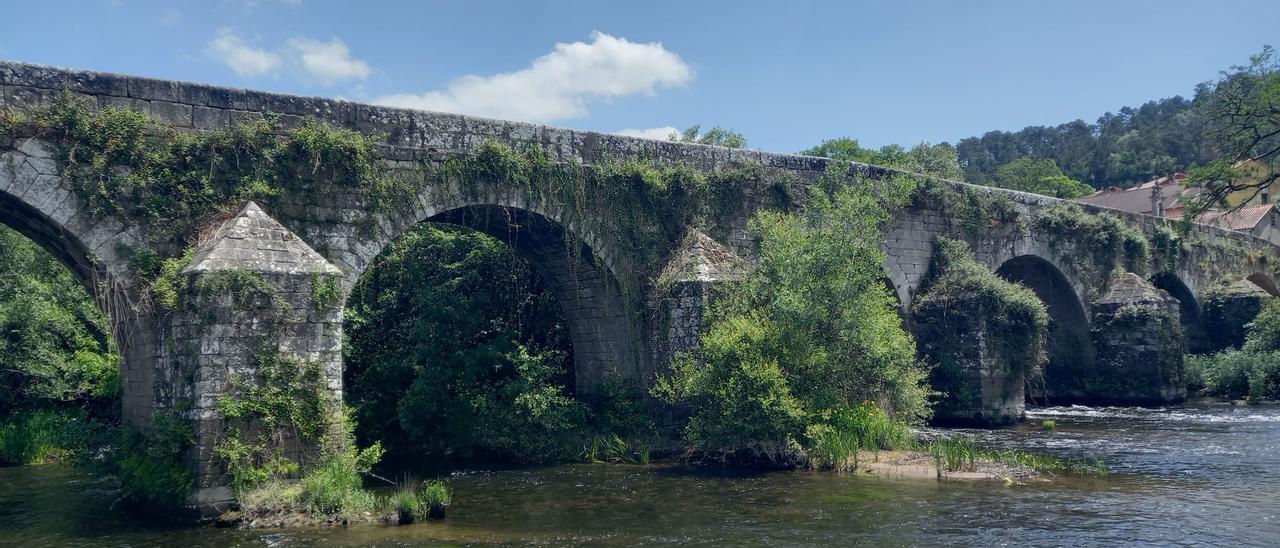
(38, 202)
(1069, 345)
(604, 331)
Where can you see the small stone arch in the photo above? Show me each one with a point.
(1266, 282)
(1069, 345)
(605, 337)
(1189, 310)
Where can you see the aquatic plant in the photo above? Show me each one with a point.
(1048, 425)
(616, 449)
(436, 496)
(953, 453)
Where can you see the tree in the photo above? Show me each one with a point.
(54, 345)
(717, 136)
(1040, 176)
(455, 347)
(938, 160)
(1243, 120)
(812, 330)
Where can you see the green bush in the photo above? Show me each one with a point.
(1240, 374)
(813, 328)
(150, 463)
(1252, 372)
(1264, 331)
(54, 340)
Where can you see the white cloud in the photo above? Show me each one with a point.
(560, 84)
(246, 60)
(328, 62)
(661, 133)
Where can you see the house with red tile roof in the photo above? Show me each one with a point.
(1167, 197)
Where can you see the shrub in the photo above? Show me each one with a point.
(1264, 331)
(1240, 374)
(813, 328)
(454, 349)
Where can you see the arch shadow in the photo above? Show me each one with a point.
(1069, 346)
(1189, 312)
(605, 343)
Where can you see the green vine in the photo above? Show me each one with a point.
(1104, 244)
(284, 398)
(324, 291)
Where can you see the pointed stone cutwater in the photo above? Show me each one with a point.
(699, 258)
(684, 289)
(253, 241)
(254, 290)
(1139, 342)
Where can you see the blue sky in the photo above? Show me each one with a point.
(786, 74)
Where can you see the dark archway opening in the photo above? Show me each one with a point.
(1069, 346)
(1188, 311)
(481, 334)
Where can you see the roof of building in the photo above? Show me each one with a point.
(1245, 218)
(1137, 199)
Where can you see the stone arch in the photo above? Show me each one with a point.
(1266, 282)
(1189, 310)
(1069, 345)
(605, 338)
(39, 203)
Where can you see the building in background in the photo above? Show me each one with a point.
(1167, 197)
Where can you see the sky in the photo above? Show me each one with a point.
(786, 74)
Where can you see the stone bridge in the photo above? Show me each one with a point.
(629, 307)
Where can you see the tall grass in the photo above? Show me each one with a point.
(953, 454)
(615, 449)
(40, 437)
(415, 501)
(834, 444)
(956, 453)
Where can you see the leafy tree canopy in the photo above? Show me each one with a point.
(1040, 176)
(938, 160)
(54, 344)
(715, 136)
(1242, 114)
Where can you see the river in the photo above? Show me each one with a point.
(1202, 474)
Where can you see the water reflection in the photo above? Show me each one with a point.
(1203, 474)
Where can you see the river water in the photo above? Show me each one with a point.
(1203, 474)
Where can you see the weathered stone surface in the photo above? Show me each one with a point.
(219, 338)
(253, 241)
(37, 199)
(1228, 309)
(1139, 344)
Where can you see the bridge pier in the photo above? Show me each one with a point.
(259, 319)
(1228, 309)
(685, 288)
(1139, 346)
